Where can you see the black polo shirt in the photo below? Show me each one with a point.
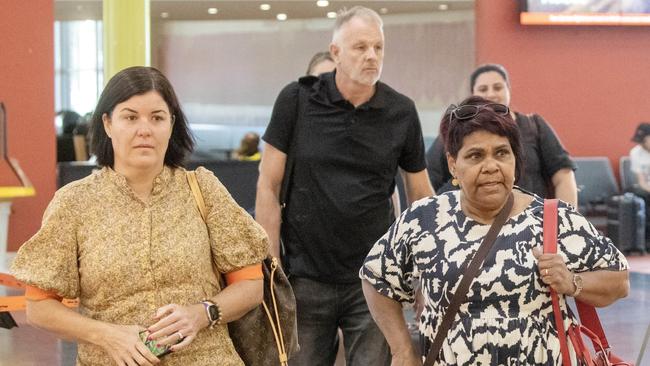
(346, 159)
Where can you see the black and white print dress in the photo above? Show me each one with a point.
(508, 318)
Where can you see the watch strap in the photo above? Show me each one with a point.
(207, 304)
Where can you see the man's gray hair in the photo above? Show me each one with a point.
(344, 16)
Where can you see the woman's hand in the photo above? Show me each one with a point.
(553, 272)
(405, 358)
(178, 325)
(123, 344)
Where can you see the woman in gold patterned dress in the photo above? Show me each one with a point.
(129, 242)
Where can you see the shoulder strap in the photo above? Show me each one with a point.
(550, 246)
(588, 315)
(196, 192)
(468, 276)
(289, 165)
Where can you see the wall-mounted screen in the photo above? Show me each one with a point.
(585, 12)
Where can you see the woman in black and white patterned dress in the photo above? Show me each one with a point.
(507, 317)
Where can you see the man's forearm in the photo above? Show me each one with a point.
(267, 214)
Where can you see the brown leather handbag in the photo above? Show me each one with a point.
(268, 334)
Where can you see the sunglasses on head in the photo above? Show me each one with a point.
(470, 111)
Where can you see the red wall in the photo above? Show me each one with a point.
(27, 89)
(591, 83)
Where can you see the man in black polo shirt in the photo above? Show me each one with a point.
(345, 134)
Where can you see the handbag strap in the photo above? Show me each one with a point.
(589, 318)
(291, 153)
(196, 192)
(469, 274)
(550, 246)
(588, 315)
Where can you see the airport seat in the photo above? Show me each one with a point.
(596, 182)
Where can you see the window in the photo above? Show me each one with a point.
(78, 60)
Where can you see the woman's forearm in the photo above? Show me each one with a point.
(66, 323)
(239, 298)
(564, 182)
(601, 288)
(388, 315)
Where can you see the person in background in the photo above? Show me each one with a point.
(81, 137)
(353, 134)
(549, 168)
(129, 242)
(640, 167)
(321, 63)
(65, 150)
(506, 317)
(248, 148)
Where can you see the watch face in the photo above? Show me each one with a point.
(214, 312)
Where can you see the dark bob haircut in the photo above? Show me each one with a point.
(454, 131)
(487, 68)
(125, 84)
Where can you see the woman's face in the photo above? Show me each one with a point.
(485, 169)
(493, 87)
(140, 129)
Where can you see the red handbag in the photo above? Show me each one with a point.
(590, 327)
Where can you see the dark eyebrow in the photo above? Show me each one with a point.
(132, 111)
(475, 149)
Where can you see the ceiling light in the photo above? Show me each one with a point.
(383, 10)
(213, 11)
(265, 7)
(443, 7)
(322, 3)
(281, 16)
(164, 15)
(331, 14)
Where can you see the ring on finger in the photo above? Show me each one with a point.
(180, 335)
(546, 272)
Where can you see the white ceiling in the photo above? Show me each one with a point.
(245, 9)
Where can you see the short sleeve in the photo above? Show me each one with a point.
(388, 267)
(280, 129)
(412, 157)
(237, 241)
(585, 248)
(635, 160)
(553, 155)
(49, 259)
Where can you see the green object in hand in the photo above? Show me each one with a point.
(154, 347)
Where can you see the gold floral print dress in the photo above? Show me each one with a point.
(125, 258)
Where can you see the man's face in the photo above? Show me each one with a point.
(358, 51)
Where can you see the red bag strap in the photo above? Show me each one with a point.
(589, 318)
(550, 246)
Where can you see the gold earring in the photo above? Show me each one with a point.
(455, 182)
